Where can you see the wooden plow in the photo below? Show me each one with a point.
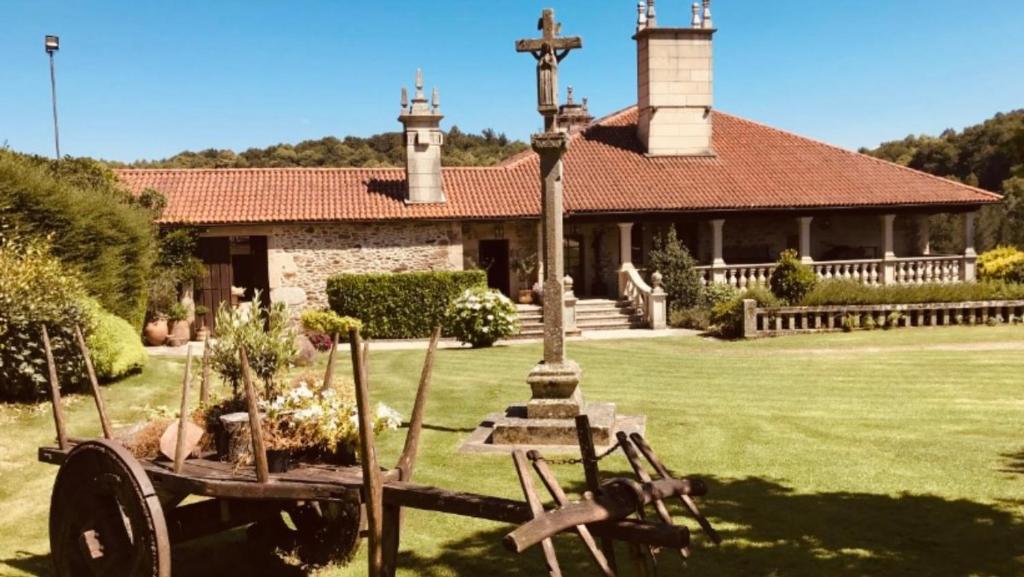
(114, 515)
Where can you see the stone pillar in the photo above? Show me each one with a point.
(805, 239)
(717, 262)
(924, 236)
(657, 309)
(554, 381)
(625, 253)
(888, 252)
(749, 318)
(569, 304)
(969, 266)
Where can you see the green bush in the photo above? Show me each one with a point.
(716, 293)
(480, 316)
(696, 318)
(727, 317)
(792, 279)
(101, 232)
(37, 289)
(268, 338)
(114, 344)
(1004, 263)
(330, 323)
(400, 305)
(839, 292)
(680, 278)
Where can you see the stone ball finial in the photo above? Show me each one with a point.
(568, 282)
(656, 280)
(696, 22)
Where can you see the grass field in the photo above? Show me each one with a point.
(882, 453)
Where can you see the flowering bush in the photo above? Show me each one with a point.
(1002, 263)
(320, 341)
(304, 418)
(481, 316)
(268, 338)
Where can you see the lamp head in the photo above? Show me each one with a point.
(52, 43)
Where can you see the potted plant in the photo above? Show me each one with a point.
(202, 332)
(177, 318)
(162, 296)
(525, 267)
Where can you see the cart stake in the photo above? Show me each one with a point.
(58, 409)
(100, 407)
(372, 488)
(204, 385)
(259, 449)
(179, 447)
(329, 373)
(407, 462)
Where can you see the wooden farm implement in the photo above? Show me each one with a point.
(114, 515)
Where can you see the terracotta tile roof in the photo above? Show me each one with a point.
(755, 167)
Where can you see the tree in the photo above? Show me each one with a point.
(672, 259)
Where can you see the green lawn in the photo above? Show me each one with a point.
(882, 453)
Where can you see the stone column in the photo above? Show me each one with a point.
(888, 252)
(968, 269)
(717, 262)
(625, 253)
(554, 381)
(805, 239)
(924, 236)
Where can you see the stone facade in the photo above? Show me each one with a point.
(523, 242)
(302, 257)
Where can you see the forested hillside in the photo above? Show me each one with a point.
(989, 155)
(460, 149)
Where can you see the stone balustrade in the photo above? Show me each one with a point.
(900, 271)
(650, 302)
(763, 322)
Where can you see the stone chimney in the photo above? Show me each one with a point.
(574, 116)
(674, 83)
(423, 141)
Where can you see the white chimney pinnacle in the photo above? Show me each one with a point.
(707, 14)
(696, 22)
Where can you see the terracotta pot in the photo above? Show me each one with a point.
(202, 333)
(526, 296)
(155, 332)
(180, 333)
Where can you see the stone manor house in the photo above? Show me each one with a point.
(737, 191)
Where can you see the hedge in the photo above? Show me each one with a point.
(92, 224)
(853, 293)
(399, 305)
(114, 345)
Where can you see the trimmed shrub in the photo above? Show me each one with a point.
(480, 316)
(792, 279)
(400, 305)
(727, 317)
(680, 279)
(114, 344)
(838, 292)
(1004, 263)
(329, 323)
(103, 235)
(37, 289)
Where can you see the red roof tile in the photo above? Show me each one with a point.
(755, 167)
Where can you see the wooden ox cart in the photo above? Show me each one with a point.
(114, 515)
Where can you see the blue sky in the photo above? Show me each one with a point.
(146, 79)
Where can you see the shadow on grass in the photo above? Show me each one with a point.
(1014, 462)
(769, 529)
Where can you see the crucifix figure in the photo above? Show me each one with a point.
(549, 50)
(554, 381)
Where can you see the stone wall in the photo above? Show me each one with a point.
(522, 238)
(302, 257)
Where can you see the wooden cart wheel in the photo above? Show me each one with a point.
(320, 532)
(105, 517)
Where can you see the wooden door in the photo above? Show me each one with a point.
(494, 260)
(215, 286)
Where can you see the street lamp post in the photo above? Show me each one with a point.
(52, 44)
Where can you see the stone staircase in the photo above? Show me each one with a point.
(591, 315)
